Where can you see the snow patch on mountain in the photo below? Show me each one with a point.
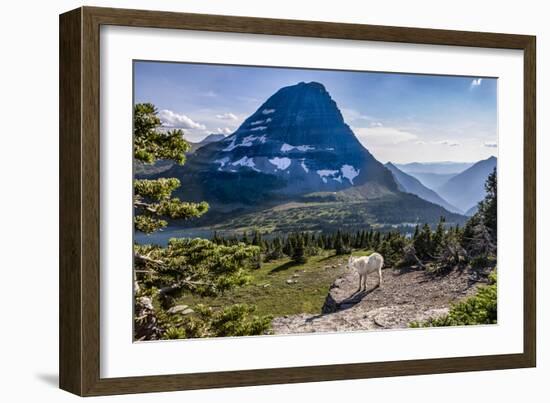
(258, 128)
(305, 148)
(248, 141)
(324, 173)
(349, 172)
(222, 162)
(231, 146)
(303, 164)
(281, 163)
(287, 147)
(246, 162)
(268, 111)
(257, 122)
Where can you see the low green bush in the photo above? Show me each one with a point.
(480, 309)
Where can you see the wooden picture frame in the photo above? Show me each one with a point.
(80, 187)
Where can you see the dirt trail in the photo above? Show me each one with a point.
(406, 295)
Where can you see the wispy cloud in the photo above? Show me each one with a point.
(248, 99)
(381, 135)
(178, 121)
(353, 116)
(490, 144)
(450, 143)
(227, 116)
(225, 130)
(210, 94)
(476, 82)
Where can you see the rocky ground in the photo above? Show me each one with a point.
(406, 295)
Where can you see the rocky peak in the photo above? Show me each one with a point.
(296, 142)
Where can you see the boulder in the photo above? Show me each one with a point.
(181, 309)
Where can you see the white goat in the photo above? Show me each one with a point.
(365, 265)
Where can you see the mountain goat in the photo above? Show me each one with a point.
(365, 265)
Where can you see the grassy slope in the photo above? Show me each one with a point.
(307, 295)
(313, 280)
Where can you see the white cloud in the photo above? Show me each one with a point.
(354, 117)
(490, 144)
(225, 130)
(476, 82)
(450, 143)
(210, 94)
(179, 121)
(227, 116)
(381, 135)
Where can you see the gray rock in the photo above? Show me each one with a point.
(181, 309)
(146, 302)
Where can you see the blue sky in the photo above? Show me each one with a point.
(397, 117)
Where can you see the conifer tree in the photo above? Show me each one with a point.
(153, 201)
(416, 231)
(479, 236)
(341, 243)
(299, 253)
(375, 240)
(216, 239)
(288, 247)
(196, 266)
(363, 240)
(488, 206)
(276, 249)
(438, 240)
(423, 243)
(359, 239)
(320, 242)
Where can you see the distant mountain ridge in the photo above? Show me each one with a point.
(441, 168)
(467, 189)
(211, 138)
(410, 184)
(431, 180)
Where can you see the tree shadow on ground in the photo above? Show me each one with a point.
(282, 267)
(329, 257)
(407, 269)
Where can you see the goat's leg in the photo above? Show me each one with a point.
(360, 283)
(365, 282)
(379, 278)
